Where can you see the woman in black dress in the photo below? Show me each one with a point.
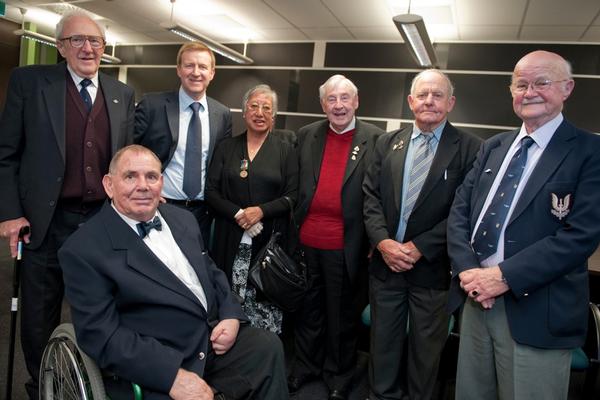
(248, 179)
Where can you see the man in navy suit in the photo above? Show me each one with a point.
(519, 250)
(60, 127)
(162, 123)
(407, 226)
(149, 306)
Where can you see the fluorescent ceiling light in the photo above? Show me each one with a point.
(50, 41)
(194, 36)
(412, 29)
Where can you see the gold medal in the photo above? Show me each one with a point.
(243, 174)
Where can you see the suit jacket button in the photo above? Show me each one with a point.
(201, 355)
(52, 203)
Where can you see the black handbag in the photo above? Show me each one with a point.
(280, 278)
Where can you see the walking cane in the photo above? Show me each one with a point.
(14, 307)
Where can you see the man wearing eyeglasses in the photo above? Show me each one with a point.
(183, 128)
(59, 129)
(520, 231)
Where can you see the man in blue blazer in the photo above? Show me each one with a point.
(55, 146)
(163, 122)
(520, 231)
(150, 306)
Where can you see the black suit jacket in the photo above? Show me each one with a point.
(32, 140)
(157, 124)
(546, 248)
(311, 145)
(132, 315)
(427, 223)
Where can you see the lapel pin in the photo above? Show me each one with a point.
(115, 101)
(488, 171)
(353, 157)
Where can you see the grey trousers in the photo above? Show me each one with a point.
(491, 365)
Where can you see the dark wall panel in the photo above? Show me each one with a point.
(369, 55)
(148, 80)
(380, 93)
(585, 59)
(282, 54)
(9, 48)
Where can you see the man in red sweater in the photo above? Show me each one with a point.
(333, 154)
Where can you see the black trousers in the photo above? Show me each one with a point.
(409, 327)
(42, 289)
(253, 368)
(326, 326)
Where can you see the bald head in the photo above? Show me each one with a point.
(541, 82)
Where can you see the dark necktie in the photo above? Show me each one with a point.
(144, 228)
(418, 172)
(485, 241)
(85, 95)
(192, 168)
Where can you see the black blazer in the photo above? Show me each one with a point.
(132, 315)
(427, 223)
(157, 124)
(32, 140)
(311, 145)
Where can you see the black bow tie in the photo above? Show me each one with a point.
(144, 228)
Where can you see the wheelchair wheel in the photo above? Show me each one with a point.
(66, 372)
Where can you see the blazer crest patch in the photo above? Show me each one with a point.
(560, 206)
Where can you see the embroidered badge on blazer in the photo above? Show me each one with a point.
(560, 206)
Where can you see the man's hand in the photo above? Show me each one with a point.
(396, 255)
(482, 284)
(9, 229)
(189, 386)
(224, 334)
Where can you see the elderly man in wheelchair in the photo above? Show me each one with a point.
(149, 306)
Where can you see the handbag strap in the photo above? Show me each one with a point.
(292, 219)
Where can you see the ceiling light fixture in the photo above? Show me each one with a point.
(195, 36)
(50, 41)
(413, 31)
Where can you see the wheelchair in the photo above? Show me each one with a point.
(68, 373)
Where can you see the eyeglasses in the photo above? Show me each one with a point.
(540, 85)
(255, 107)
(77, 41)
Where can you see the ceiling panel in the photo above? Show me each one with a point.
(571, 12)
(305, 13)
(550, 33)
(360, 13)
(489, 32)
(137, 21)
(328, 33)
(490, 12)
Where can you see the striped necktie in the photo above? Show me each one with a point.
(418, 173)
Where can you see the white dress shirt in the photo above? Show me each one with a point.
(92, 89)
(541, 138)
(163, 245)
(173, 173)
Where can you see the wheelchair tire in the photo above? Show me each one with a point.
(67, 372)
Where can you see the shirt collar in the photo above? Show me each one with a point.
(542, 135)
(130, 221)
(77, 79)
(437, 131)
(350, 126)
(185, 100)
